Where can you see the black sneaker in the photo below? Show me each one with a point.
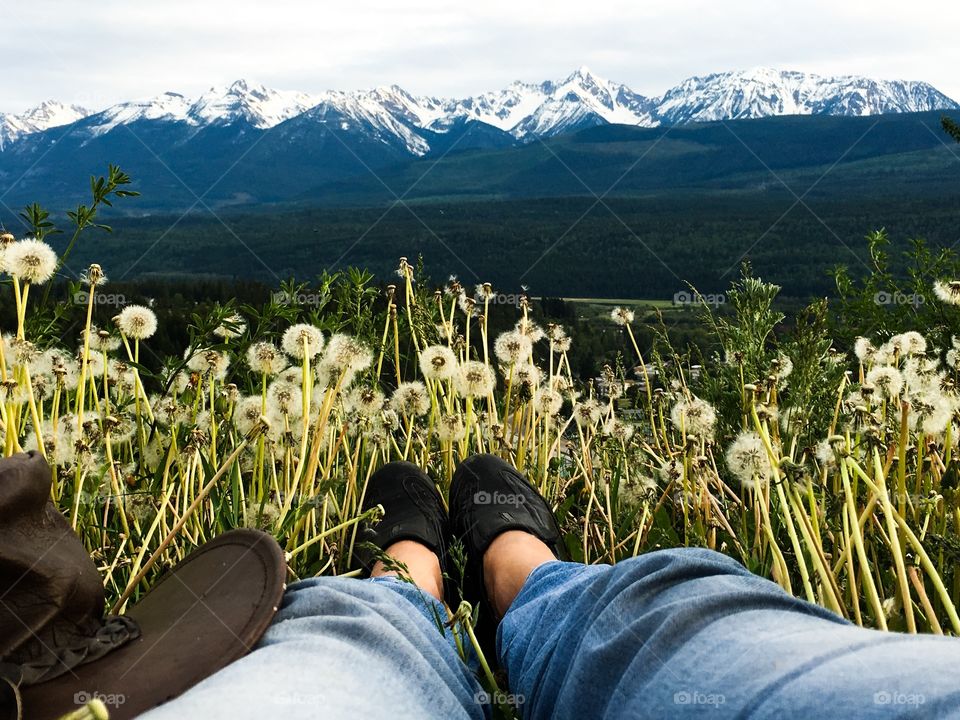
(488, 496)
(413, 510)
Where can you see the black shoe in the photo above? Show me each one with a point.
(488, 497)
(413, 510)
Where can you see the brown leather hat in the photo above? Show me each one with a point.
(59, 651)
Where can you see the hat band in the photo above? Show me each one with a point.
(52, 662)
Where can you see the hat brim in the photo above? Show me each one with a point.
(206, 613)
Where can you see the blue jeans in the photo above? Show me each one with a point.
(674, 633)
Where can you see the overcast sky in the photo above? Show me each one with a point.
(98, 53)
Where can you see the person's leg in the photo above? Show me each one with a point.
(345, 648)
(685, 632)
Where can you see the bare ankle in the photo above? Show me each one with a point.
(507, 563)
(420, 564)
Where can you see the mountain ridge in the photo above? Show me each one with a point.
(525, 111)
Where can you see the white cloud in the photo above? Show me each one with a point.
(98, 53)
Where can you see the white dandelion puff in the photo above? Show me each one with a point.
(137, 322)
(622, 316)
(694, 416)
(285, 398)
(209, 363)
(365, 401)
(910, 343)
(347, 354)
(102, 340)
(265, 358)
(526, 326)
(30, 260)
(587, 413)
(512, 347)
(474, 379)
(302, 340)
(450, 428)
(947, 291)
(410, 399)
(747, 459)
(547, 401)
(438, 362)
(617, 429)
(863, 349)
(888, 380)
(247, 413)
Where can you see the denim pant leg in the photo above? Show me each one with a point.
(691, 633)
(342, 648)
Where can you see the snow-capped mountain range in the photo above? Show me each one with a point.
(524, 111)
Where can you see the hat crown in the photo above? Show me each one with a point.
(51, 594)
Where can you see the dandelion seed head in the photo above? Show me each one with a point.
(587, 413)
(438, 362)
(547, 401)
(617, 429)
(694, 416)
(122, 428)
(748, 461)
(261, 516)
(782, 367)
(931, 412)
(347, 353)
(209, 363)
(302, 341)
(365, 401)
(101, 340)
(637, 489)
(909, 343)
(30, 260)
(474, 379)
(247, 413)
(24, 352)
(825, 454)
(483, 291)
(947, 291)
(526, 377)
(526, 326)
(888, 380)
(93, 276)
(265, 358)
(285, 398)
(621, 316)
(450, 428)
(63, 367)
(137, 322)
(410, 399)
(863, 349)
(467, 305)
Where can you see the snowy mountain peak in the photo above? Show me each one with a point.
(46, 115)
(765, 91)
(254, 103)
